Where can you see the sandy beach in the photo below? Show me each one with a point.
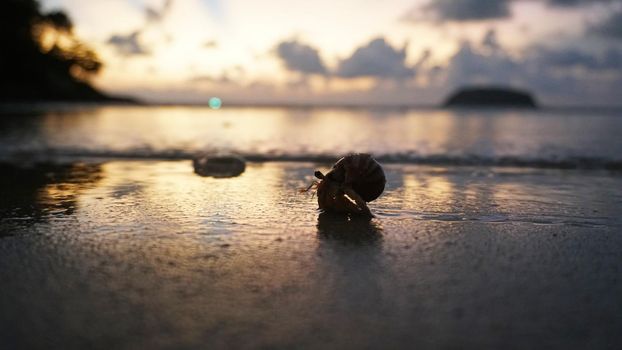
(145, 254)
(174, 175)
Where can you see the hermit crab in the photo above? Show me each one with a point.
(352, 182)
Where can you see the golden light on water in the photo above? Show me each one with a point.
(431, 193)
(174, 194)
(183, 131)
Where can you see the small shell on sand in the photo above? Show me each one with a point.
(218, 165)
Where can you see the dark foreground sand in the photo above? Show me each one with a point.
(147, 255)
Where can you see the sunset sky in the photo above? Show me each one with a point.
(568, 52)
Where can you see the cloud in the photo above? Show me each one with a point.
(470, 66)
(611, 27)
(490, 40)
(568, 58)
(377, 59)
(468, 10)
(300, 57)
(569, 3)
(480, 10)
(566, 2)
(555, 75)
(157, 15)
(128, 45)
(612, 59)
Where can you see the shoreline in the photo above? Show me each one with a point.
(580, 164)
(8, 106)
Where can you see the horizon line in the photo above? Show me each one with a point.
(301, 105)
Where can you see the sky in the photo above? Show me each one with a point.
(359, 52)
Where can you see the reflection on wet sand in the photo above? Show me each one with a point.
(351, 267)
(34, 193)
(348, 229)
(174, 260)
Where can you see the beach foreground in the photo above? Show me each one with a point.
(145, 254)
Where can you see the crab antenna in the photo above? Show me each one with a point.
(319, 175)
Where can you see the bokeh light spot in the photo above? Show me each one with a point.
(215, 103)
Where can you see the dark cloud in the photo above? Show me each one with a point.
(566, 2)
(557, 75)
(468, 10)
(610, 59)
(470, 66)
(299, 57)
(486, 63)
(611, 27)
(477, 10)
(566, 58)
(490, 40)
(128, 45)
(481, 10)
(377, 59)
(569, 3)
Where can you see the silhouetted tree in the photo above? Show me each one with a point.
(40, 58)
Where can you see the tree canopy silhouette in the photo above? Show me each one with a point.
(41, 59)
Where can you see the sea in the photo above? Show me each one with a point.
(585, 138)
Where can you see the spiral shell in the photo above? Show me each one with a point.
(352, 182)
(362, 173)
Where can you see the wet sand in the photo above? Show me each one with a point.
(145, 254)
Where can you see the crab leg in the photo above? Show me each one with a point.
(303, 190)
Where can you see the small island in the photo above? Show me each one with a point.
(490, 96)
